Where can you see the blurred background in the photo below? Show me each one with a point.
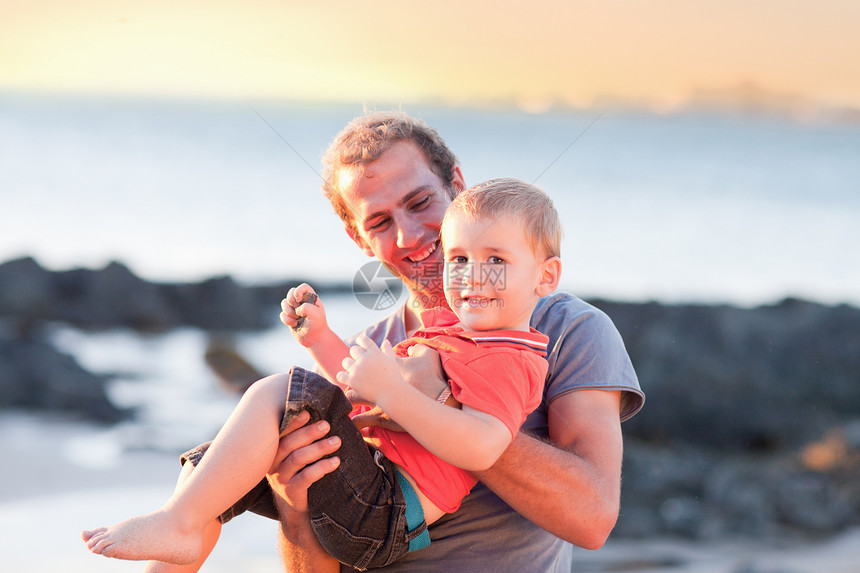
(160, 190)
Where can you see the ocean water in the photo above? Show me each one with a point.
(691, 208)
(177, 401)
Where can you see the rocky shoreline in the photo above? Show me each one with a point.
(751, 427)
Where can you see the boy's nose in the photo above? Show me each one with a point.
(469, 275)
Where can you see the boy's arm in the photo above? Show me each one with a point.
(467, 438)
(329, 354)
(422, 368)
(303, 311)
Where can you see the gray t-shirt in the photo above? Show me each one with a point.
(486, 534)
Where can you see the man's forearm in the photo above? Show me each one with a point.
(571, 488)
(301, 552)
(549, 487)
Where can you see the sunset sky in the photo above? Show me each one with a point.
(656, 53)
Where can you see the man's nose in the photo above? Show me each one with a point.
(409, 233)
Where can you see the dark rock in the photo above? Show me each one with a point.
(232, 370)
(811, 502)
(217, 304)
(33, 375)
(684, 515)
(114, 297)
(109, 298)
(741, 379)
(26, 290)
(705, 494)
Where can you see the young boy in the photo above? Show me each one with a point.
(501, 244)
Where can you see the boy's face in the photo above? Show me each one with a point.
(493, 279)
(397, 203)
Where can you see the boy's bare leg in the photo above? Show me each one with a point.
(240, 455)
(210, 538)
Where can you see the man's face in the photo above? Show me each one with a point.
(398, 203)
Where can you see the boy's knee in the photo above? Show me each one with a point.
(275, 385)
(311, 392)
(185, 472)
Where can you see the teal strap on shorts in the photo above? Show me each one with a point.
(414, 514)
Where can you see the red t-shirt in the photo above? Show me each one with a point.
(500, 372)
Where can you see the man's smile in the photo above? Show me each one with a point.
(419, 256)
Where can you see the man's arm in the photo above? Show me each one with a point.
(300, 550)
(572, 486)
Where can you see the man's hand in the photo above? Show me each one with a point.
(299, 446)
(290, 479)
(423, 369)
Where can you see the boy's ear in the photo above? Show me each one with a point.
(359, 240)
(550, 275)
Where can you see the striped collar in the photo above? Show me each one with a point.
(441, 319)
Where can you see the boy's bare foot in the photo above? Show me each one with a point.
(153, 537)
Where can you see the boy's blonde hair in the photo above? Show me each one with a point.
(514, 198)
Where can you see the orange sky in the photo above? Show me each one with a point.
(655, 52)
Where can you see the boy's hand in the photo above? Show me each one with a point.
(423, 369)
(303, 312)
(370, 370)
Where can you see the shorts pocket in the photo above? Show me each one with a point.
(354, 550)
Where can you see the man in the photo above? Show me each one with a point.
(390, 178)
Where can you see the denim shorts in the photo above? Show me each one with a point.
(358, 511)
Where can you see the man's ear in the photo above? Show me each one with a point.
(359, 240)
(550, 275)
(457, 181)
